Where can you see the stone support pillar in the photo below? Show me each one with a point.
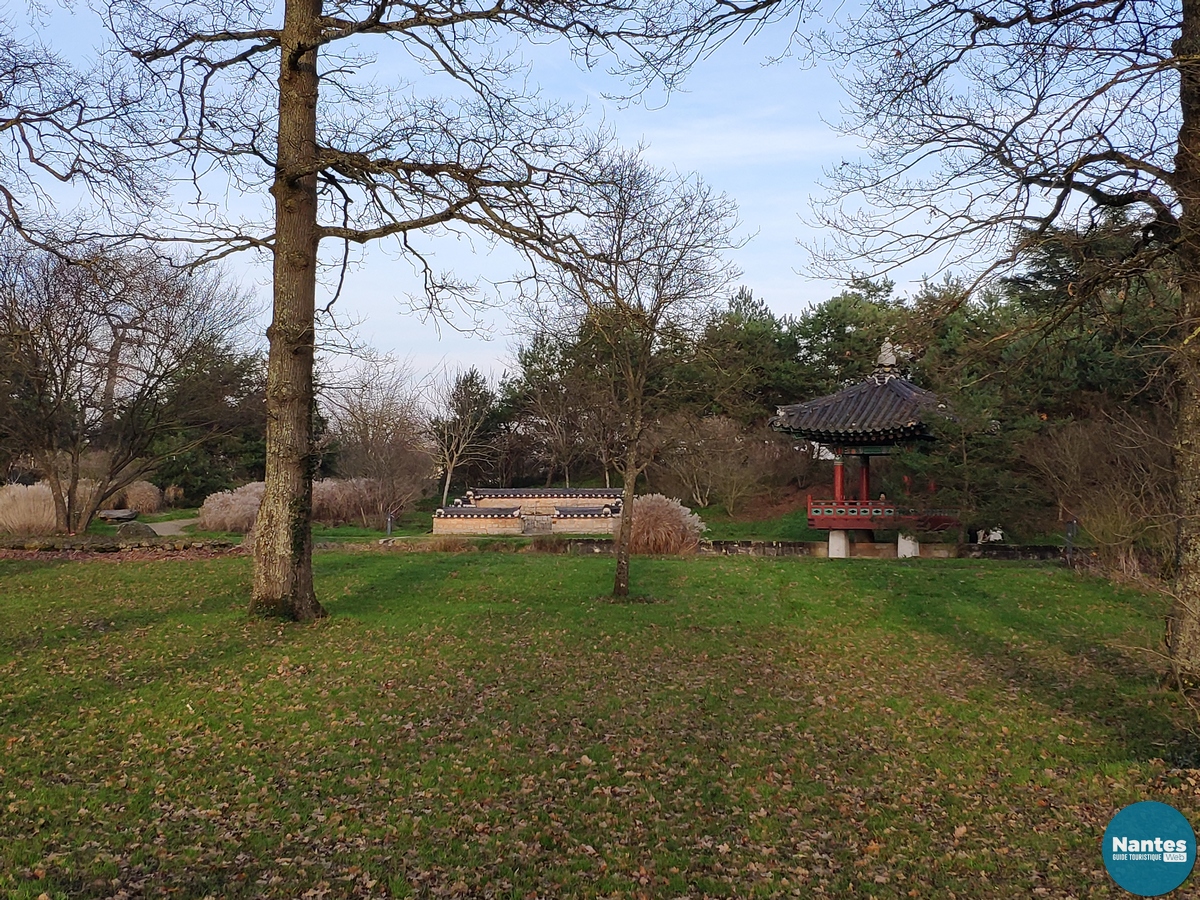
(907, 546)
(839, 544)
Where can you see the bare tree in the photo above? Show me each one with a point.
(92, 355)
(551, 404)
(278, 97)
(601, 432)
(376, 419)
(714, 458)
(648, 268)
(63, 125)
(463, 405)
(993, 125)
(1113, 473)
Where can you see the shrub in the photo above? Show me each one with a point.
(173, 495)
(335, 502)
(663, 526)
(142, 496)
(233, 510)
(26, 509)
(339, 502)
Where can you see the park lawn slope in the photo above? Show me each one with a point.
(479, 724)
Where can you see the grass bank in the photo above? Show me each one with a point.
(490, 725)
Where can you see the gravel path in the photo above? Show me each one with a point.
(173, 527)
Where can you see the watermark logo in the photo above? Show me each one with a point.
(1149, 848)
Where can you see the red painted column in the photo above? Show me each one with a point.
(864, 479)
(839, 479)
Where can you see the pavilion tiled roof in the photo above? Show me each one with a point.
(884, 409)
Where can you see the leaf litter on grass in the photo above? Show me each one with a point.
(768, 729)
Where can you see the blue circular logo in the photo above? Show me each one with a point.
(1149, 848)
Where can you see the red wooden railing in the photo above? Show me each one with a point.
(848, 515)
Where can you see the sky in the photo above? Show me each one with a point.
(755, 130)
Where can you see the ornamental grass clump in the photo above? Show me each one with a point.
(335, 502)
(234, 510)
(663, 526)
(344, 501)
(142, 496)
(26, 509)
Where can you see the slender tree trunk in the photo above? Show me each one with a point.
(446, 487)
(61, 523)
(72, 493)
(625, 525)
(1183, 636)
(283, 584)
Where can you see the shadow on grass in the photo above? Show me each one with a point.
(399, 587)
(1067, 656)
(72, 635)
(26, 566)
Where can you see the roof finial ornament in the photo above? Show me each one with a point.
(887, 364)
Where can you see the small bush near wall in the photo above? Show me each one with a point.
(663, 526)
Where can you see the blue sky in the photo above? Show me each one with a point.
(757, 131)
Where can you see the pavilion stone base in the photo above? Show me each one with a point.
(839, 545)
(907, 546)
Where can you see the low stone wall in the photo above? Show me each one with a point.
(877, 550)
(1011, 551)
(103, 544)
(479, 525)
(761, 548)
(937, 551)
(815, 549)
(588, 546)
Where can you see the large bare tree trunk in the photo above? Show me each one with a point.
(1184, 628)
(283, 583)
(1183, 634)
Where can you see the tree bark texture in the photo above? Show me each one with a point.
(1183, 632)
(283, 583)
(625, 526)
(446, 484)
(1183, 635)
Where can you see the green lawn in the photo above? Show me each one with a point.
(490, 725)
(791, 526)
